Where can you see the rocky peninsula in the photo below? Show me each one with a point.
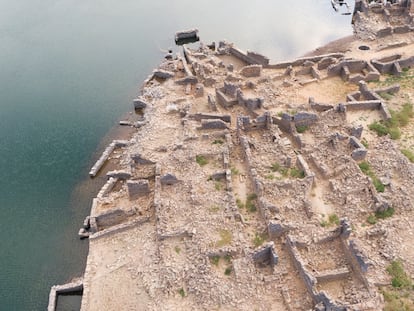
(252, 185)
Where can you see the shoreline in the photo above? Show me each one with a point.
(129, 222)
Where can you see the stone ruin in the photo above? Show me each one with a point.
(239, 190)
(382, 18)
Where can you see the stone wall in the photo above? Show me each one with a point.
(393, 64)
(107, 188)
(249, 103)
(105, 155)
(137, 188)
(303, 165)
(266, 255)
(207, 116)
(224, 101)
(356, 260)
(119, 228)
(113, 217)
(354, 70)
(332, 275)
(359, 151)
(251, 71)
(311, 281)
(243, 56)
(72, 287)
(304, 118)
(259, 58)
(315, 59)
(212, 124)
(261, 122)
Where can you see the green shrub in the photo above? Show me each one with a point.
(395, 133)
(408, 110)
(251, 207)
(409, 154)
(400, 279)
(275, 167)
(365, 168)
(333, 219)
(284, 171)
(398, 300)
(301, 128)
(201, 160)
(372, 220)
(379, 186)
(215, 260)
(217, 142)
(389, 212)
(235, 171)
(250, 204)
(181, 291)
(252, 196)
(239, 203)
(379, 128)
(296, 173)
(398, 119)
(228, 271)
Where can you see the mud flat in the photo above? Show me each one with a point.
(245, 185)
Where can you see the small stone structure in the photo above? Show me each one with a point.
(137, 188)
(190, 34)
(266, 255)
(72, 287)
(105, 155)
(251, 71)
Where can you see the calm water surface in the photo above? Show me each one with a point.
(68, 71)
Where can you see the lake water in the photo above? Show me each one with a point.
(68, 72)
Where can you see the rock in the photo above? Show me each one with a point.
(199, 90)
(125, 123)
(83, 234)
(139, 103)
(86, 223)
(357, 131)
(120, 174)
(168, 179)
(386, 181)
(276, 229)
(163, 74)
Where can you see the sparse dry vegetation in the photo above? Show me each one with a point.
(366, 169)
(392, 127)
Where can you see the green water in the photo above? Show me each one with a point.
(68, 71)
